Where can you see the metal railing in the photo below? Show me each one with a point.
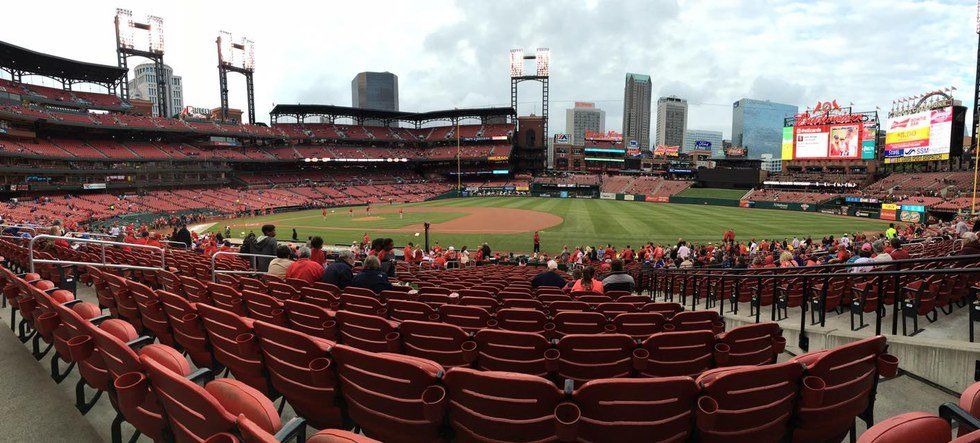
(81, 234)
(181, 244)
(715, 281)
(252, 262)
(103, 263)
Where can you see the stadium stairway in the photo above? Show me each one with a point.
(34, 407)
(941, 354)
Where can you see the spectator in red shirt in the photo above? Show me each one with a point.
(729, 235)
(898, 252)
(316, 250)
(304, 268)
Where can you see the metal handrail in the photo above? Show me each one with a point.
(90, 234)
(754, 272)
(215, 272)
(172, 242)
(103, 243)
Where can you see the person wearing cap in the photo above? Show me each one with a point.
(549, 277)
(340, 272)
(864, 256)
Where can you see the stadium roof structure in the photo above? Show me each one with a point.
(300, 111)
(20, 61)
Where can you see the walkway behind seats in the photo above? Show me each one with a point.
(34, 408)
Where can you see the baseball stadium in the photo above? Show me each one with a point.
(363, 273)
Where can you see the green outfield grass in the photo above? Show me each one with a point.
(732, 194)
(585, 222)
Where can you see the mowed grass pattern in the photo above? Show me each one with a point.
(585, 222)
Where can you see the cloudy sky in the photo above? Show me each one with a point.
(455, 53)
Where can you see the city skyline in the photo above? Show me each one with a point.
(788, 52)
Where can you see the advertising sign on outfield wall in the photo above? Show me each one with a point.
(607, 195)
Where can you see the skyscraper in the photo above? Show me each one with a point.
(671, 120)
(757, 125)
(636, 109)
(375, 90)
(143, 86)
(583, 117)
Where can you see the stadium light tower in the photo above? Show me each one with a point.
(542, 58)
(150, 46)
(236, 57)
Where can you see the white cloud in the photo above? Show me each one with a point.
(454, 54)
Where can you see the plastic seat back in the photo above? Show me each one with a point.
(679, 353)
(525, 320)
(369, 305)
(586, 357)
(748, 403)
(391, 397)
(850, 374)
(227, 298)
(234, 345)
(401, 310)
(569, 322)
(267, 308)
(442, 343)
(501, 406)
(698, 321)
(368, 332)
(470, 318)
(636, 409)
(511, 351)
(300, 368)
(311, 319)
(638, 325)
(187, 328)
(752, 344)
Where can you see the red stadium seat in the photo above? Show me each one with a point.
(368, 332)
(636, 409)
(504, 406)
(698, 321)
(442, 343)
(470, 318)
(188, 329)
(638, 325)
(586, 357)
(579, 323)
(311, 319)
(679, 353)
(751, 403)
(196, 413)
(753, 344)
(850, 373)
(392, 397)
(300, 368)
(511, 351)
(235, 346)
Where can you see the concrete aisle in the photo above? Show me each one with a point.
(34, 408)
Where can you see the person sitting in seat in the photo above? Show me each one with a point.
(587, 283)
(304, 268)
(371, 277)
(340, 272)
(618, 279)
(279, 265)
(549, 277)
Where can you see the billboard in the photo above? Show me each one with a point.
(671, 151)
(828, 142)
(922, 136)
